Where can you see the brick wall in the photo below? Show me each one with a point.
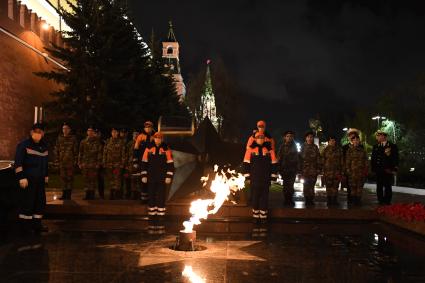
(20, 89)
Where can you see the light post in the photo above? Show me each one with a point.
(377, 117)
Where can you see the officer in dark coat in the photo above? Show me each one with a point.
(384, 163)
(31, 163)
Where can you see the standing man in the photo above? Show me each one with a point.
(288, 166)
(132, 179)
(332, 161)
(310, 167)
(143, 141)
(157, 172)
(344, 183)
(261, 128)
(66, 156)
(384, 164)
(31, 164)
(89, 161)
(114, 158)
(356, 165)
(260, 169)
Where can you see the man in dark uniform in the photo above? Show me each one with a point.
(288, 166)
(384, 163)
(31, 164)
(157, 172)
(260, 169)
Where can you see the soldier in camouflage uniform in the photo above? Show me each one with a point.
(89, 161)
(288, 166)
(356, 166)
(133, 181)
(114, 159)
(309, 167)
(66, 157)
(332, 161)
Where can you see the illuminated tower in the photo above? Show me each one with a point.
(170, 55)
(207, 107)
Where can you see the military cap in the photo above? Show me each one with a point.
(308, 133)
(158, 135)
(261, 123)
(148, 124)
(39, 126)
(288, 132)
(381, 132)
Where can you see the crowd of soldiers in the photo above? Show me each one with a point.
(132, 169)
(347, 166)
(143, 167)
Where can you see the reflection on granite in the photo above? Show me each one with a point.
(284, 253)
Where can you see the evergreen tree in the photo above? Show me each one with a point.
(111, 78)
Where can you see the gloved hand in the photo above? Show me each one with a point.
(168, 181)
(46, 179)
(23, 183)
(144, 180)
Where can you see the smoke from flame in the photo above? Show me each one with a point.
(224, 184)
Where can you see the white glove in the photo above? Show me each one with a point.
(168, 181)
(144, 180)
(23, 183)
(46, 179)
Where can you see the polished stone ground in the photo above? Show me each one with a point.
(286, 252)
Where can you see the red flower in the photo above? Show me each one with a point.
(408, 211)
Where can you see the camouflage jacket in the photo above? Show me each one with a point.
(66, 151)
(332, 160)
(114, 153)
(130, 160)
(356, 163)
(90, 155)
(288, 158)
(310, 160)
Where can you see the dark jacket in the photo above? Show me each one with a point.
(288, 158)
(384, 157)
(157, 163)
(260, 164)
(31, 160)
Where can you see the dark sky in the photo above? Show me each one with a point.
(297, 59)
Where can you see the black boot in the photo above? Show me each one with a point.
(135, 195)
(309, 201)
(118, 194)
(38, 227)
(66, 195)
(112, 195)
(89, 195)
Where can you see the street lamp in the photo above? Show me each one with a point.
(345, 129)
(377, 117)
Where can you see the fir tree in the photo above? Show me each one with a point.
(111, 77)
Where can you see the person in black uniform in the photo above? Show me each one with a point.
(31, 163)
(157, 172)
(384, 163)
(260, 166)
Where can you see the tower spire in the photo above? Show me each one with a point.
(171, 37)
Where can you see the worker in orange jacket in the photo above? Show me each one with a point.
(143, 140)
(261, 128)
(157, 172)
(260, 167)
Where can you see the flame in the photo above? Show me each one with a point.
(192, 276)
(224, 184)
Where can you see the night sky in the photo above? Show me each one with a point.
(296, 60)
